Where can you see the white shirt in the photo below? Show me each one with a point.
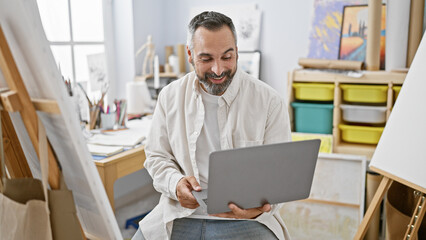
(250, 113)
(209, 139)
(207, 142)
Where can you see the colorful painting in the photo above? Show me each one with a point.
(324, 38)
(353, 40)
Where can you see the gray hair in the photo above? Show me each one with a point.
(211, 21)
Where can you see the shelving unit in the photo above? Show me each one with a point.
(369, 77)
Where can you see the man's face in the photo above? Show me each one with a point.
(214, 58)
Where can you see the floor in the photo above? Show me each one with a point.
(136, 208)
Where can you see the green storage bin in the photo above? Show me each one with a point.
(313, 117)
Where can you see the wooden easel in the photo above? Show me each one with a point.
(385, 184)
(17, 99)
(15, 158)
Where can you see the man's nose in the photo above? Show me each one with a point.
(217, 67)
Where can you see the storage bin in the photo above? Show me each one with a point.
(313, 117)
(360, 134)
(314, 91)
(363, 114)
(396, 90)
(364, 93)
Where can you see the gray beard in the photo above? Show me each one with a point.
(215, 89)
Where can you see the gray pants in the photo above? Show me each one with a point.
(190, 228)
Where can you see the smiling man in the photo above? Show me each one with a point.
(216, 107)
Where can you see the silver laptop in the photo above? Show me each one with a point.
(253, 176)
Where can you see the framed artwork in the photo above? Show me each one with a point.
(353, 37)
(250, 62)
(324, 36)
(246, 17)
(97, 71)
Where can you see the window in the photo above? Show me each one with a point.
(75, 31)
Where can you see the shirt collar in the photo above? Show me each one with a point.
(230, 93)
(233, 88)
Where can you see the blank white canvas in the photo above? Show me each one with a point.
(401, 151)
(21, 24)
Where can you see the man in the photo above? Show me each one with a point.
(216, 107)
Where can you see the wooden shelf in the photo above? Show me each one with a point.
(368, 77)
(352, 148)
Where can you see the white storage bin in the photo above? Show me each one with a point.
(363, 114)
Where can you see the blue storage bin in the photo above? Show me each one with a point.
(313, 117)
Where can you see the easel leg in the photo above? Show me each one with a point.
(374, 206)
(416, 219)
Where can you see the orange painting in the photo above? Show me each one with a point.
(353, 38)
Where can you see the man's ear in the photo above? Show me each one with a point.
(190, 60)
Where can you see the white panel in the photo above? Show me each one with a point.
(339, 178)
(335, 206)
(401, 149)
(308, 220)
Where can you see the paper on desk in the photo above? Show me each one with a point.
(101, 150)
(124, 138)
(141, 125)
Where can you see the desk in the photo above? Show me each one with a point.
(112, 168)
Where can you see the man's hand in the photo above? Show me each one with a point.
(239, 213)
(183, 192)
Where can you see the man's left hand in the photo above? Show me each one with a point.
(240, 213)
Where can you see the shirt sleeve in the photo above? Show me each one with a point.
(278, 123)
(160, 161)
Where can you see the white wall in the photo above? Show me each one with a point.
(124, 45)
(149, 19)
(284, 34)
(124, 51)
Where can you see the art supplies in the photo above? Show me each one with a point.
(120, 106)
(68, 85)
(107, 120)
(95, 107)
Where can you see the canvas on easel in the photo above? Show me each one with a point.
(400, 154)
(20, 22)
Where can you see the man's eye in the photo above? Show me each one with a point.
(205, 59)
(227, 58)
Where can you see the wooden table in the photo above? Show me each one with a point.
(112, 168)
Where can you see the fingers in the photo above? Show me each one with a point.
(183, 192)
(240, 213)
(194, 184)
(266, 208)
(225, 215)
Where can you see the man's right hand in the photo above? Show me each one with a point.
(183, 192)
